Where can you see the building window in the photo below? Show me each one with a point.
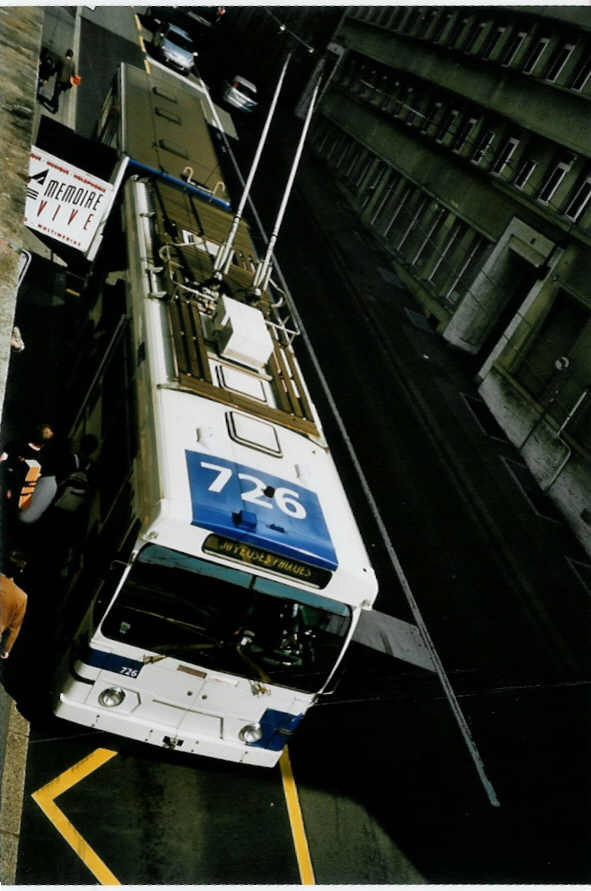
(457, 231)
(453, 294)
(524, 173)
(447, 124)
(347, 151)
(408, 110)
(580, 199)
(397, 210)
(421, 205)
(463, 135)
(440, 25)
(457, 28)
(397, 15)
(535, 54)
(483, 146)
(373, 184)
(492, 41)
(474, 36)
(438, 218)
(553, 181)
(337, 139)
(433, 114)
(558, 61)
(581, 75)
(355, 157)
(362, 168)
(430, 19)
(505, 155)
(514, 44)
(386, 194)
(383, 90)
(384, 16)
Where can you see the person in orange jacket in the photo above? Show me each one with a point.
(13, 605)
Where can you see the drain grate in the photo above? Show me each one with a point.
(483, 417)
(539, 502)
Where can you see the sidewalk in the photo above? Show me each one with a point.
(32, 390)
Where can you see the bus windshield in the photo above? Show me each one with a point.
(225, 619)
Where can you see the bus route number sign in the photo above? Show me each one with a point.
(259, 508)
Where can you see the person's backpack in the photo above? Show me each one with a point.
(73, 490)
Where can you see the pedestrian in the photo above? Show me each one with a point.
(55, 461)
(74, 488)
(46, 70)
(13, 604)
(63, 79)
(20, 462)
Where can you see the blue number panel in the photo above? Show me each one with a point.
(259, 509)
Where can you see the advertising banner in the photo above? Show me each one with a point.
(65, 202)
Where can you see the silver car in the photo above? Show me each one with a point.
(175, 47)
(240, 93)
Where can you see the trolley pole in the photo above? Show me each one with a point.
(263, 273)
(222, 260)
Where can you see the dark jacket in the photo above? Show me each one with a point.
(65, 70)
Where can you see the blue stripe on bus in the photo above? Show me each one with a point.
(193, 189)
(259, 509)
(122, 665)
(277, 727)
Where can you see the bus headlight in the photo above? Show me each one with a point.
(251, 733)
(111, 696)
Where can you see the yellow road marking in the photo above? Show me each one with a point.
(141, 41)
(45, 798)
(296, 821)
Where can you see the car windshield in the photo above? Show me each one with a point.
(228, 620)
(179, 40)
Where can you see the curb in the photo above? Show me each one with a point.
(12, 792)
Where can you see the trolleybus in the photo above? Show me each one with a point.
(233, 572)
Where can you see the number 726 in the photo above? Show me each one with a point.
(287, 500)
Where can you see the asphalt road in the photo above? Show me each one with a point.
(387, 791)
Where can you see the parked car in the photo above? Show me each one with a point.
(198, 21)
(174, 47)
(240, 93)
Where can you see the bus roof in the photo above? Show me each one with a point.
(164, 125)
(206, 474)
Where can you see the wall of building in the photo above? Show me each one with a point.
(19, 52)
(461, 135)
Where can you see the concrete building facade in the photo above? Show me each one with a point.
(462, 137)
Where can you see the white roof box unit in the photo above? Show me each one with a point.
(241, 333)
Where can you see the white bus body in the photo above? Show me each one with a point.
(247, 573)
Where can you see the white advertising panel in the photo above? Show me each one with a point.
(65, 202)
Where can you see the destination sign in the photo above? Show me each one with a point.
(294, 569)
